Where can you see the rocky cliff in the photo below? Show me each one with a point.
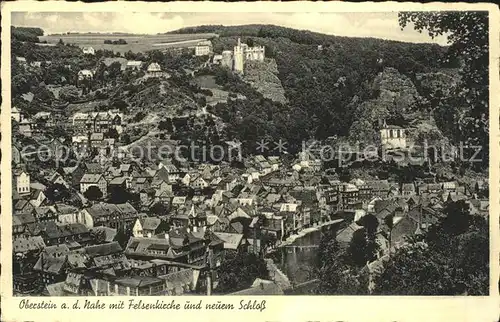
(397, 100)
(263, 77)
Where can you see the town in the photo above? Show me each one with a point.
(95, 213)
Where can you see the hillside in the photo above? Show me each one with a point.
(298, 93)
(342, 90)
(397, 101)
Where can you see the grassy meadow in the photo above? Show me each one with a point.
(135, 43)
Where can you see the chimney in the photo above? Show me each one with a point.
(261, 285)
(167, 237)
(239, 42)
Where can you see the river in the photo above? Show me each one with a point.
(298, 260)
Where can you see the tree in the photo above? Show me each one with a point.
(239, 270)
(126, 138)
(112, 134)
(119, 195)
(457, 218)
(93, 193)
(139, 117)
(114, 70)
(389, 222)
(57, 192)
(122, 236)
(448, 260)
(335, 275)
(120, 104)
(363, 246)
(467, 33)
(159, 209)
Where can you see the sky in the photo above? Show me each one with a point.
(382, 25)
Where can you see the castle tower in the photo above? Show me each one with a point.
(239, 57)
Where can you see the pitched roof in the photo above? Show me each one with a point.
(150, 223)
(231, 241)
(178, 280)
(91, 178)
(154, 67)
(19, 219)
(134, 63)
(109, 233)
(103, 249)
(26, 244)
(345, 235)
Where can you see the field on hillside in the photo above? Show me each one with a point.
(135, 43)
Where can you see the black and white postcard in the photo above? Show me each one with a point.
(250, 161)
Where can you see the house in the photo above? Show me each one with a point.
(434, 188)
(133, 65)
(23, 206)
(217, 224)
(96, 122)
(73, 235)
(147, 227)
(140, 182)
(203, 48)
(15, 114)
(217, 60)
(109, 215)
(20, 224)
(97, 180)
(21, 182)
(232, 241)
(450, 186)
(178, 245)
(66, 214)
(154, 70)
(345, 235)
(25, 251)
(37, 197)
(21, 60)
(26, 127)
(181, 281)
(197, 182)
(348, 197)
(380, 188)
(52, 264)
(85, 74)
(57, 178)
(107, 256)
(479, 207)
(88, 51)
(408, 189)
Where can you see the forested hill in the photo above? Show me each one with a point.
(325, 88)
